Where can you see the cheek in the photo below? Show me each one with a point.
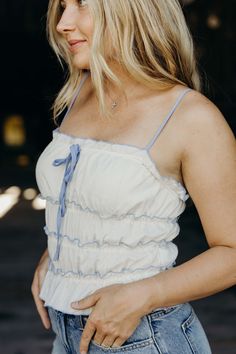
(86, 28)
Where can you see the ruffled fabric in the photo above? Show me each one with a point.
(60, 289)
(120, 216)
(107, 259)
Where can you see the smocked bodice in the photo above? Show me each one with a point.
(110, 216)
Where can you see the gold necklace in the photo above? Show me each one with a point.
(114, 104)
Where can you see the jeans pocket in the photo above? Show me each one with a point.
(164, 312)
(140, 340)
(195, 334)
(177, 329)
(143, 346)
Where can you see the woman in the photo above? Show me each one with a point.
(115, 178)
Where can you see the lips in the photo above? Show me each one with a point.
(76, 44)
(75, 41)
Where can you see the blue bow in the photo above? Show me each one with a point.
(70, 161)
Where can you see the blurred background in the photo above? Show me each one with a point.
(30, 80)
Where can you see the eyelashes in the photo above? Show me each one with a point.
(83, 2)
(62, 5)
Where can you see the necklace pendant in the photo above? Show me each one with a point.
(114, 104)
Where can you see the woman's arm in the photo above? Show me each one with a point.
(209, 174)
(39, 275)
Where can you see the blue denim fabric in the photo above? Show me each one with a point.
(170, 330)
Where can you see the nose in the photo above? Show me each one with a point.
(67, 21)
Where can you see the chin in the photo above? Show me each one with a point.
(81, 61)
(82, 65)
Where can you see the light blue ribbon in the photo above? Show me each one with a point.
(70, 161)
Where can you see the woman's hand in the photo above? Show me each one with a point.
(38, 279)
(118, 311)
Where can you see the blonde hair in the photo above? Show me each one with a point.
(150, 40)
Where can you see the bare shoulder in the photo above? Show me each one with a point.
(201, 118)
(206, 132)
(209, 166)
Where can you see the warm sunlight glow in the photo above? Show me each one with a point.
(38, 203)
(14, 131)
(8, 199)
(13, 190)
(29, 193)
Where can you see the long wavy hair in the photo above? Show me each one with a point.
(150, 40)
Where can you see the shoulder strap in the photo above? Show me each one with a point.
(165, 120)
(86, 74)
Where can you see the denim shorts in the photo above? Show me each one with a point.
(169, 330)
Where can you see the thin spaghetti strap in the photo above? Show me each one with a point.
(160, 128)
(86, 74)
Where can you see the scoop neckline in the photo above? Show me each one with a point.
(143, 150)
(107, 142)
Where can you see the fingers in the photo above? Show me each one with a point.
(109, 338)
(88, 301)
(101, 337)
(43, 313)
(35, 289)
(86, 337)
(105, 340)
(118, 342)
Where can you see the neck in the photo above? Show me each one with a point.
(130, 86)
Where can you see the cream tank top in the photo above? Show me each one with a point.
(110, 216)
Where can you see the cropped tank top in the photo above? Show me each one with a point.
(110, 216)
